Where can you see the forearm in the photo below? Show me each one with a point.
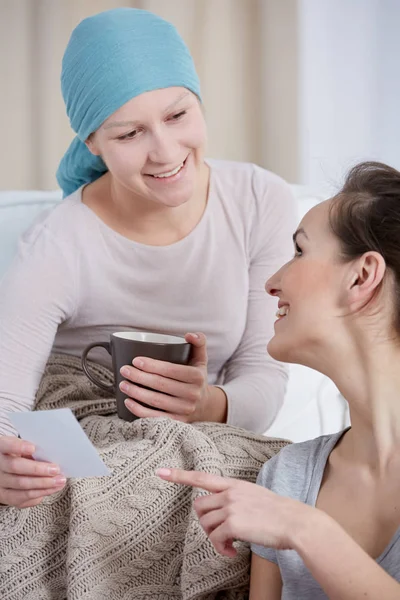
(254, 399)
(340, 566)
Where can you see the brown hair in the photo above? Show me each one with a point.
(365, 216)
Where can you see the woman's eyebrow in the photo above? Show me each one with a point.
(175, 102)
(134, 123)
(120, 124)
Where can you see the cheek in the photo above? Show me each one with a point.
(312, 289)
(124, 159)
(194, 134)
(308, 280)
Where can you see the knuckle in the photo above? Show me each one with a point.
(198, 480)
(13, 464)
(32, 494)
(194, 395)
(161, 384)
(198, 377)
(156, 401)
(167, 370)
(139, 377)
(191, 410)
(187, 410)
(231, 495)
(20, 482)
(38, 469)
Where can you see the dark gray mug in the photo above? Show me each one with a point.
(124, 346)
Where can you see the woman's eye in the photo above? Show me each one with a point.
(129, 136)
(178, 115)
(298, 250)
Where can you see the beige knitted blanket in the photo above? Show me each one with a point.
(130, 535)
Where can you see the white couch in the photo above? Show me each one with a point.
(312, 406)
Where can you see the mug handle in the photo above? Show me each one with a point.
(103, 386)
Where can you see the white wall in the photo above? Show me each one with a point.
(388, 112)
(349, 85)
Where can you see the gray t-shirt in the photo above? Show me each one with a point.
(296, 472)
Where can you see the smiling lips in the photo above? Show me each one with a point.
(282, 311)
(167, 174)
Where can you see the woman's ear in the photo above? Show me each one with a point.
(365, 278)
(91, 145)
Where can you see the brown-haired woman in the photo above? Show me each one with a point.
(324, 521)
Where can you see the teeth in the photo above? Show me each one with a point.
(282, 311)
(170, 173)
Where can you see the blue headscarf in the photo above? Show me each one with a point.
(111, 58)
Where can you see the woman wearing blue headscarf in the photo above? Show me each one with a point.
(150, 236)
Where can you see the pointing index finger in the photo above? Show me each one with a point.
(204, 481)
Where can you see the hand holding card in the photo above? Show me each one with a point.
(60, 439)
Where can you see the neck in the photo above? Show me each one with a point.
(147, 218)
(368, 375)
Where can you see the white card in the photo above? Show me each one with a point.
(60, 439)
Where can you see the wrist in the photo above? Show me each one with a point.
(311, 528)
(216, 405)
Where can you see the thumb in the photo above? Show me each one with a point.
(198, 356)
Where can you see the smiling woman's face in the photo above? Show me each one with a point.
(154, 145)
(310, 289)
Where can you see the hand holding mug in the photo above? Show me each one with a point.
(182, 391)
(24, 482)
(157, 374)
(124, 347)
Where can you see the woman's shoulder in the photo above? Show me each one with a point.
(259, 194)
(57, 224)
(290, 471)
(237, 174)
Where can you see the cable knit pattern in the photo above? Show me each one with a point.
(131, 535)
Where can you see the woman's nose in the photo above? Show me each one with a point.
(163, 149)
(272, 286)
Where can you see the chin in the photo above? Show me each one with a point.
(175, 200)
(283, 350)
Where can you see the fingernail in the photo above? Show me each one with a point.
(138, 362)
(60, 480)
(125, 371)
(53, 470)
(163, 472)
(28, 449)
